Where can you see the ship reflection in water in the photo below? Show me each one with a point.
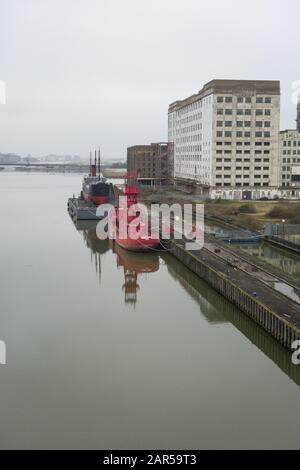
(133, 264)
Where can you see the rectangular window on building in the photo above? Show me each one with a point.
(228, 99)
(228, 111)
(219, 134)
(239, 134)
(267, 112)
(228, 123)
(248, 99)
(220, 99)
(240, 99)
(239, 123)
(259, 99)
(267, 124)
(267, 134)
(219, 111)
(247, 123)
(228, 133)
(258, 123)
(258, 134)
(219, 123)
(239, 112)
(247, 134)
(259, 112)
(268, 100)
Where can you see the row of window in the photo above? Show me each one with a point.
(288, 152)
(291, 160)
(238, 143)
(244, 176)
(259, 168)
(288, 143)
(244, 123)
(244, 99)
(257, 160)
(193, 128)
(242, 184)
(246, 112)
(242, 134)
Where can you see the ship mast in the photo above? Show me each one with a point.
(99, 167)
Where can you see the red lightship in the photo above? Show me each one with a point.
(144, 241)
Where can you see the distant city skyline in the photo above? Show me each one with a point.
(79, 74)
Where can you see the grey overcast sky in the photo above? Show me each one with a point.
(80, 73)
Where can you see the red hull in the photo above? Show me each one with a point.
(141, 244)
(96, 200)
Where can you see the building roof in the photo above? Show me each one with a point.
(250, 87)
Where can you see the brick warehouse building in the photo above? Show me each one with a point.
(151, 163)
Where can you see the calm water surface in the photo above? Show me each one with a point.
(109, 350)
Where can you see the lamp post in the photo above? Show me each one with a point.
(283, 228)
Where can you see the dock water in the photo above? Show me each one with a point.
(273, 311)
